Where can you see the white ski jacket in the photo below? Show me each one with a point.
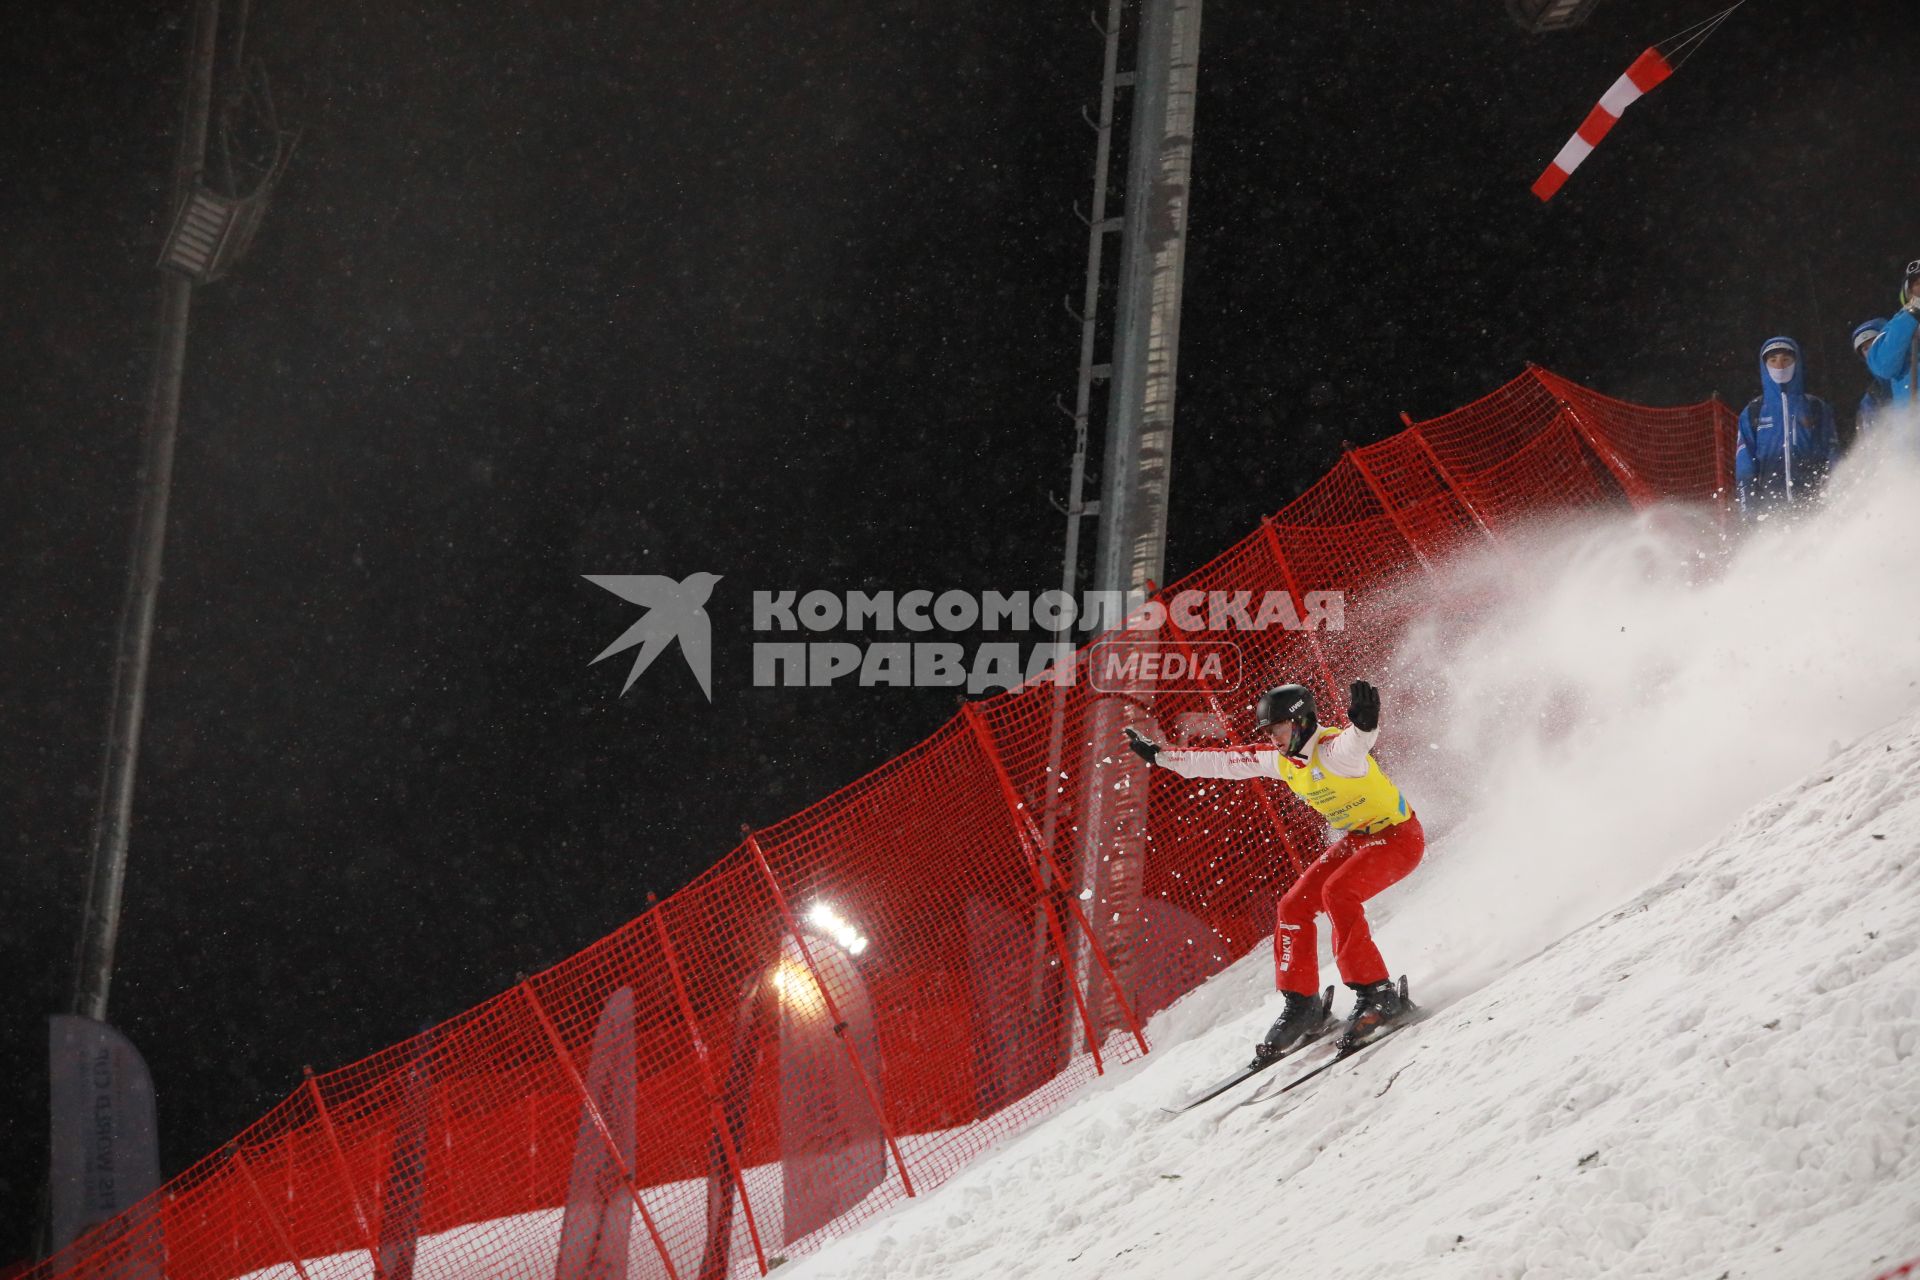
(1345, 755)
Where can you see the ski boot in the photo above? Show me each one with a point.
(1376, 1006)
(1300, 1021)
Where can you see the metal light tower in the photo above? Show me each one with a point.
(104, 1145)
(209, 232)
(1140, 375)
(107, 872)
(1146, 339)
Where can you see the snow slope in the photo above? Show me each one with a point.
(1654, 1051)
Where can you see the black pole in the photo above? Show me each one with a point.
(107, 870)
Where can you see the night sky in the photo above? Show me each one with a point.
(766, 290)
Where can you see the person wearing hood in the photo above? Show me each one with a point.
(1787, 438)
(1896, 351)
(1879, 390)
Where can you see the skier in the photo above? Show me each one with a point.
(1334, 771)
(1896, 352)
(1878, 392)
(1787, 438)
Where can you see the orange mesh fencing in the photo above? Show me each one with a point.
(694, 1087)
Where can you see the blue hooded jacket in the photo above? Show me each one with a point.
(1891, 355)
(1787, 438)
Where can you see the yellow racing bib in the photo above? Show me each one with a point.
(1371, 803)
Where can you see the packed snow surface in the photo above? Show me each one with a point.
(1665, 939)
(1666, 933)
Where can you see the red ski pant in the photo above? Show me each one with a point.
(1344, 877)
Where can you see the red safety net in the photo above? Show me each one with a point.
(854, 1003)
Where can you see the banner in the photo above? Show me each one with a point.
(593, 1236)
(106, 1152)
(406, 1178)
(833, 1151)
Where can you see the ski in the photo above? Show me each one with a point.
(1249, 1072)
(1339, 1058)
(1266, 1089)
(1414, 1015)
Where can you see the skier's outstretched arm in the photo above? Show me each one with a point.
(1221, 762)
(1207, 762)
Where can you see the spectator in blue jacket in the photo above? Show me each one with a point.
(1787, 438)
(1878, 390)
(1895, 352)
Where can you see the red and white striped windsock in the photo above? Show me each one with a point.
(1648, 70)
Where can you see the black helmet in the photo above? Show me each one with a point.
(1289, 702)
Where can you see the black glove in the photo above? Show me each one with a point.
(1145, 748)
(1363, 706)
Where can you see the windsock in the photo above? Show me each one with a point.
(1648, 70)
